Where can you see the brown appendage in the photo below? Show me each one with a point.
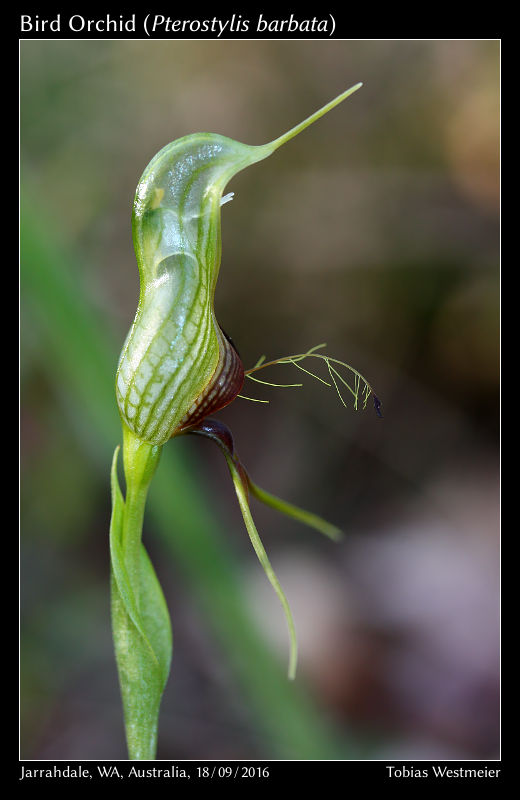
(226, 383)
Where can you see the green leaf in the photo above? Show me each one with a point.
(155, 617)
(142, 637)
(118, 504)
(119, 570)
(143, 664)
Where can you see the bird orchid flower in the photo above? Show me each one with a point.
(177, 368)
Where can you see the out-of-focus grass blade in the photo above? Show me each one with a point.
(80, 359)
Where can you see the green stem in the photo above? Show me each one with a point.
(135, 502)
(140, 462)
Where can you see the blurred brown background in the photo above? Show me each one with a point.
(376, 231)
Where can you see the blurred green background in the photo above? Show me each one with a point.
(376, 231)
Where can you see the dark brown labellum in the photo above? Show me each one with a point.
(225, 384)
(216, 430)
